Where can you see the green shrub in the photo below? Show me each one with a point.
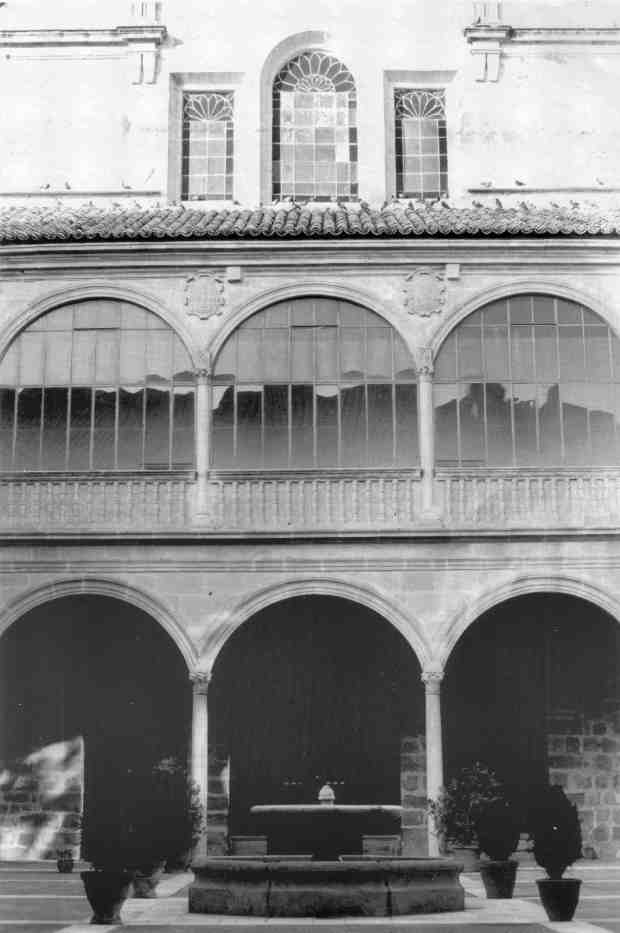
(460, 803)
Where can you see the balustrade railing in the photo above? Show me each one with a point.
(80, 503)
(538, 499)
(315, 503)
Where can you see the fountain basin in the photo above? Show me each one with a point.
(381, 887)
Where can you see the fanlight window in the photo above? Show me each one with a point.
(421, 143)
(208, 146)
(96, 385)
(528, 381)
(314, 130)
(314, 383)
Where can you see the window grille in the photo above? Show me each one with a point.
(314, 383)
(97, 385)
(421, 144)
(314, 130)
(529, 380)
(207, 172)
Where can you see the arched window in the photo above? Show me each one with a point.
(314, 130)
(96, 385)
(529, 380)
(314, 382)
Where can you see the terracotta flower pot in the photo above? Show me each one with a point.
(106, 892)
(559, 897)
(498, 877)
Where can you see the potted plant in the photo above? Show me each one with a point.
(181, 813)
(108, 882)
(64, 860)
(457, 808)
(497, 828)
(556, 833)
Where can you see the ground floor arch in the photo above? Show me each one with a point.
(532, 690)
(95, 702)
(315, 689)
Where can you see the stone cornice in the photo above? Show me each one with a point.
(117, 36)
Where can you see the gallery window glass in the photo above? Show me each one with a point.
(314, 144)
(529, 380)
(314, 383)
(420, 143)
(96, 385)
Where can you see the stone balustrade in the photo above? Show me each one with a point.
(315, 503)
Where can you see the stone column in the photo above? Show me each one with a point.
(200, 745)
(426, 428)
(203, 436)
(434, 747)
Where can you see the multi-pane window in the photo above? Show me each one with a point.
(314, 383)
(314, 130)
(421, 145)
(96, 385)
(207, 146)
(528, 381)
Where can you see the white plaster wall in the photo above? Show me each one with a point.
(73, 115)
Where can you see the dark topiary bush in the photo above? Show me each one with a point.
(498, 829)
(555, 831)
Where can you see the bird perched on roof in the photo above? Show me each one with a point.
(599, 181)
(67, 186)
(125, 185)
(574, 205)
(498, 204)
(524, 206)
(477, 203)
(520, 183)
(486, 184)
(237, 203)
(555, 205)
(365, 206)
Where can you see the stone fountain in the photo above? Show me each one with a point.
(318, 886)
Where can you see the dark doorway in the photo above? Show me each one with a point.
(517, 668)
(311, 690)
(95, 673)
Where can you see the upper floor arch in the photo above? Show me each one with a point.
(96, 383)
(528, 379)
(314, 382)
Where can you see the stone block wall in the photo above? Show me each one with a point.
(217, 802)
(584, 758)
(413, 795)
(41, 800)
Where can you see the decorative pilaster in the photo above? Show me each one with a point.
(434, 747)
(425, 368)
(200, 744)
(203, 436)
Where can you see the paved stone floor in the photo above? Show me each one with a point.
(36, 899)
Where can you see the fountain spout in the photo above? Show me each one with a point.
(327, 795)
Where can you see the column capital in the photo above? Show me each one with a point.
(200, 682)
(432, 680)
(424, 362)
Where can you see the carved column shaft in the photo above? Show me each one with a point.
(426, 427)
(200, 745)
(434, 748)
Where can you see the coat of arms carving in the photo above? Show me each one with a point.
(425, 292)
(204, 295)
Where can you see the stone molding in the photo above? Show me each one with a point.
(96, 290)
(101, 586)
(424, 362)
(144, 41)
(432, 679)
(532, 284)
(408, 626)
(470, 610)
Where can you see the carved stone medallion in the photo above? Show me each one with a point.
(425, 292)
(204, 295)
